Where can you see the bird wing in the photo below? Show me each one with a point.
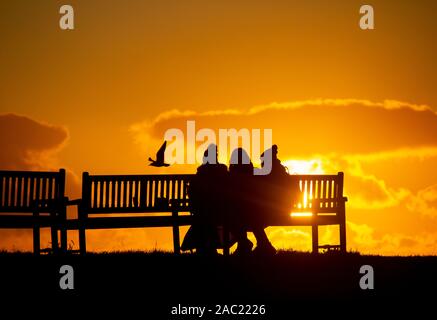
(160, 153)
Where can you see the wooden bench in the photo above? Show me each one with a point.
(130, 195)
(34, 200)
(319, 201)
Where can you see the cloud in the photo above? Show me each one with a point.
(322, 126)
(367, 190)
(371, 192)
(420, 153)
(363, 238)
(27, 144)
(424, 202)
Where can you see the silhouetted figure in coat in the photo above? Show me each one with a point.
(276, 192)
(239, 199)
(245, 205)
(240, 171)
(207, 192)
(269, 158)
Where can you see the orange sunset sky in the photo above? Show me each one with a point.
(99, 98)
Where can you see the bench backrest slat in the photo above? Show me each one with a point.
(24, 191)
(325, 190)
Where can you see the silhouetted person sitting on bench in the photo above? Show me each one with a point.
(244, 204)
(277, 190)
(269, 159)
(240, 170)
(207, 192)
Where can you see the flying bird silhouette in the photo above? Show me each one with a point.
(159, 162)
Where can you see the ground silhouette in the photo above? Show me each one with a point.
(286, 282)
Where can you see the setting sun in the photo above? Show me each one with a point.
(313, 166)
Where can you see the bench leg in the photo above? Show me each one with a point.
(54, 234)
(82, 231)
(36, 235)
(82, 241)
(176, 242)
(63, 231)
(63, 239)
(343, 237)
(36, 240)
(315, 238)
(176, 237)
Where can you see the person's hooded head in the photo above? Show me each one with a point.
(240, 160)
(210, 155)
(269, 155)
